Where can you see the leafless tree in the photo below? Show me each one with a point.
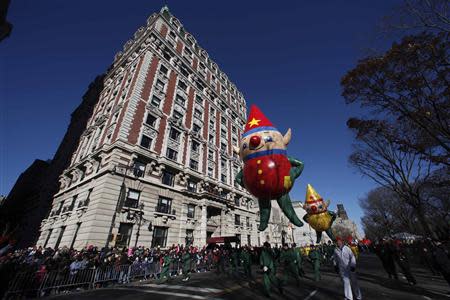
(378, 157)
(419, 15)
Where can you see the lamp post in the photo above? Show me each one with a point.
(119, 203)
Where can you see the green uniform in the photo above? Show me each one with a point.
(247, 263)
(299, 259)
(186, 259)
(289, 261)
(165, 272)
(234, 257)
(269, 278)
(314, 255)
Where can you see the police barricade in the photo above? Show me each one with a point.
(144, 270)
(39, 284)
(25, 284)
(111, 274)
(56, 282)
(175, 268)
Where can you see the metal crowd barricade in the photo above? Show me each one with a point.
(112, 274)
(39, 284)
(25, 284)
(56, 282)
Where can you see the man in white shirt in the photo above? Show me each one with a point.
(345, 263)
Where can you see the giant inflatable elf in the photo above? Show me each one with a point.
(317, 214)
(268, 172)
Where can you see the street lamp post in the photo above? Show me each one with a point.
(119, 200)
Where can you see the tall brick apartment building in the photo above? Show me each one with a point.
(159, 143)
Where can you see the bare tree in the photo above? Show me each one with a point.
(377, 156)
(386, 214)
(419, 15)
(409, 85)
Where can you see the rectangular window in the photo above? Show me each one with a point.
(48, 237)
(182, 85)
(167, 178)
(223, 121)
(174, 134)
(160, 85)
(151, 120)
(196, 128)
(159, 238)
(61, 233)
(237, 220)
(223, 178)
(198, 114)
(223, 164)
(177, 115)
(75, 235)
(87, 200)
(210, 154)
(138, 168)
(189, 236)
(237, 201)
(210, 172)
(223, 133)
(60, 207)
(211, 138)
(223, 146)
(193, 164)
(191, 211)
(124, 235)
(163, 70)
(171, 154)
(180, 100)
(198, 99)
(249, 241)
(146, 142)
(132, 198)
(164, 205)
(195, 146)
(72, 204)
(155, 101)
(192, 186)
(238, 236)
(247, 222)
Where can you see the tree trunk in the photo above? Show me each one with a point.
(425, 226)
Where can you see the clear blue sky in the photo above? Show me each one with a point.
(286, 57)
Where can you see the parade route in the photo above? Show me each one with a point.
(372, 279)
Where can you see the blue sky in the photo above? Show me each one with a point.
(286, 57)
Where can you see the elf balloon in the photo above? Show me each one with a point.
(268, 172)
(317, 214)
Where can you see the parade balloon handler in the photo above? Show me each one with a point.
(317, 214)
(268, 172)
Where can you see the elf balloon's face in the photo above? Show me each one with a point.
(316, 207)
(262, 141)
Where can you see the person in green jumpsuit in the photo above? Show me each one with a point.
(289, 262)
(299, 259)
(186, 260)
(314, 256)
(267, 264)
(165, 272)
(246, 260)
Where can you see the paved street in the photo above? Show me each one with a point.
(374, 285)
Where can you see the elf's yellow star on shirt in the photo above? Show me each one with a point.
(254, 122)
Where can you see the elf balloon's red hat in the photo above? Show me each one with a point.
(257, 121)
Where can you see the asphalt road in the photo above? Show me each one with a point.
(372, 279)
